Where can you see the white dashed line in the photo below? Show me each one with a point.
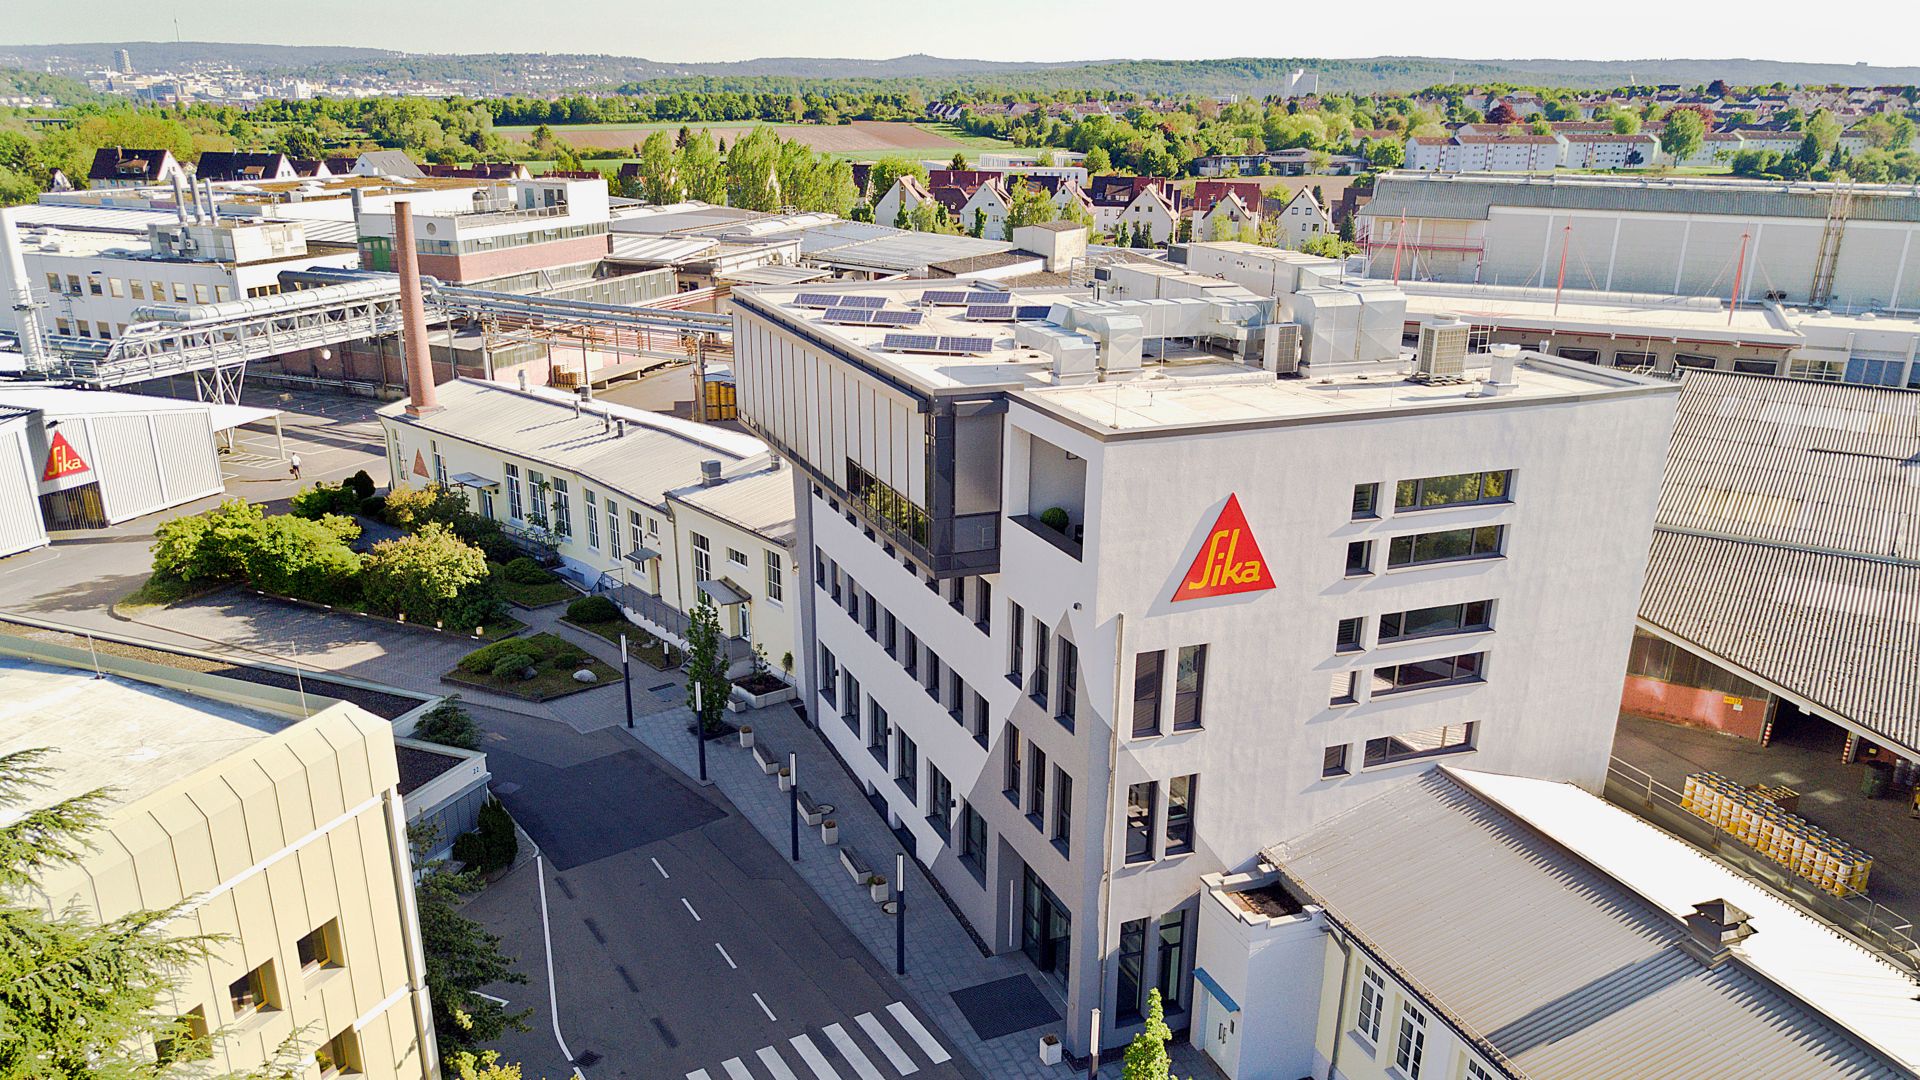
(764, 1009)
(657, 866)
(690, 911)
(724, 956)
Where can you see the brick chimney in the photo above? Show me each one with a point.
(413, 315)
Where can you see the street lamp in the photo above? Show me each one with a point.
(699, 730)
(900, 914)
(626, 679)
(793, 803)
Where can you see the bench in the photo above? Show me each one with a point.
(855, 865)
(770, 760)
(813, 813)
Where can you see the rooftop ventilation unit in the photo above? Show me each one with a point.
(1442, 353)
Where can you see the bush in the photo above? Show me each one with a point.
(426, 576)
(361, 485)
(492, 845)
(309, 560)
(449, 725)
(514, 665)
(593, 609)
(413, 509)
(1054, 518)
(482, 660)
(524, 571)
(375, 508)
(313, 502)
(567, 660)
(209, 546)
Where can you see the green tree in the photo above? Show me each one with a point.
(959, 162)
(703, 173)
(1329, 246)
(1387, 154)
(707, 665)
(449, 725)
(1626, 122)
(1097, 162)
(1146, 1057)
(1120, 237)
(462, 956)
(881, 177)
(1825, 130)
(293, 556)
(659, 170)
(753, 171)
(1683, 135)
(1030, 205)
(208, 547)
(979, 226)
(429, 575)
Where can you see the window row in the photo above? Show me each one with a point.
(1168, 936)
(1422, 549)
(1474, 616)
(1144, 809)
(1053, 680)
(916, 657)
(1395, 749)
(1381, 1011)
(182, 292)
(1435, 492)
(1025, 785)
(1149, 690)
(260, 991)
(1390, 679)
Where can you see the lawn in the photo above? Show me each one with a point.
(551, 658)
(644, 646)
(550, 590)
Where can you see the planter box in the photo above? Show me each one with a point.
(786, 779)
(746, 738)
(744, 700)
(879, 892)
(829, 834)
(1050, 1051)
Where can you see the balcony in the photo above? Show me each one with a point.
(1069, 541)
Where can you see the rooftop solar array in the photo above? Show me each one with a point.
(896, 318)
(990, 312)
(857, 301)
(857, 316)
(936, 343)
(817, 300)
(960, 297)
(1032, 311)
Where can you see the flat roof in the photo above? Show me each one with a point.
(64, 401)
(1689, 318)
(137, 738)
(1548, 923)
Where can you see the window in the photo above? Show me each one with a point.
(878, 732)
(222, 294)
(593, 518)
(1036, 765)
(1585, 356)
(1448, 545)
(910, 652)
(1012, 788)
(1366, 501)
(957, 595)
(562, 508)
(1633, 359)
(53, 283)
(179, 292)
(94, 279)
(187, 1040)
(702, 558)
(252, 992)
(1016, 629)
(736, 557)
(956, 696)
(1465, 618)
(983, 604)
(776, 578)
(1373, 1001)
(1693, 361)
(1180, 814)
(1146, 693)
(1421, 674)
(939, 798)
(908, 771)
(653, 527)
(1173, 947)
(1428, 742)
(973, 841)
(633, 529)
(1042, 680)
(850, 703)
(340, 1054)
(1757, 367)
(979, 719)
(1459, 489)
(200, 294)
(116, 288)
(1140, 808)
(1412, 1043)
(1067, 708)
(1346, 637)
(1189, 687)
(613, 527)
(1333, 761)
(1132, 953)
(1359, 558)
(1477, 1071)
(1344, 690)
(829, 675)
(1062, 811)
(321, 948)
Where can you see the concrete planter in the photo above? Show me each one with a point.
(829, 832)
(786, 779)
(1050, 1049)
(877, 888)
(740, 699)
(746, 738)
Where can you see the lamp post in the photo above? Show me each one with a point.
(699, 730)
(1093, 1046)
(793, 803)
(900, 914)
(626, 679)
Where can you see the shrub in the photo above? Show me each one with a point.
(514, 665)
(208, 547)
(312, 502)
(413, 509)
(424, 575)
(482, 659)
(361, 485)
(567, 660)
(524, 571)
(593, 609)
(449, 725)
(306, 559)
(492, 845)
(1053, 517)
(375, 508)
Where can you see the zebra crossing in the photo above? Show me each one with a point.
(835, 1053)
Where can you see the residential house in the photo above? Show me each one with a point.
(1228, 219)
(115, 167)
(222, 165)
(906, 193)
(1302, 219)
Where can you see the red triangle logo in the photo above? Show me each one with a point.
(62, 459)
(1229, 562)
(420, 465)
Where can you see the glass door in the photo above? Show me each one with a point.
(1046, 929)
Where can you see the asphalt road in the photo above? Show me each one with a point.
(681, 941)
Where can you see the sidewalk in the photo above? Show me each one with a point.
(941, 955)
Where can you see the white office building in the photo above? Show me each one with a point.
(1101, 603)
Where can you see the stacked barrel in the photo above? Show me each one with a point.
(1753, 816)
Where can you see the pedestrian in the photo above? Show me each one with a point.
(293, 460)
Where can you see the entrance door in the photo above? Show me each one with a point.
(1046, 929)
(1217, 1032)
(746, 622)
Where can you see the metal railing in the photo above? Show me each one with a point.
(664, 615)
(1857, 915)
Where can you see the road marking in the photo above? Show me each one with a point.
(690, 911)
(815, 1060)
(736, 1069)
(724, 956)
(901, 1062)
(852, 1052)
(934, 1051)
(500, 1001)
(546, 935)
(699, 1074)
(657, 866)
(764, 1009)
(776, 1064)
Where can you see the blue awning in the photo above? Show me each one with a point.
(1213, 988)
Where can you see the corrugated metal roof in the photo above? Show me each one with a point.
(761, 502)
(1788, 540)
(1470, 197)
(1543, 920)
(657, 454)
(666, 250)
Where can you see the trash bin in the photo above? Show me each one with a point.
(1876, 780)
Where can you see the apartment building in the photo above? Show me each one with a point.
(518, 229)
(1100, 603)
(1483, 153)
(1607, 150)
(282, 830)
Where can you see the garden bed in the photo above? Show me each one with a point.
(645, 647)
(548, 590)
(551, 659)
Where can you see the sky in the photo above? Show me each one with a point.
(1026, 30)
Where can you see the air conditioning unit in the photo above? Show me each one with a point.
(1441, 356)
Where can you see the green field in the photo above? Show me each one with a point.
(857, 141)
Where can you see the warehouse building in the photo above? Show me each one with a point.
(1101, 602)
(1848, 246)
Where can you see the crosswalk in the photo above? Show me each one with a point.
(835, 1053)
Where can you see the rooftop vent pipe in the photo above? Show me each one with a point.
(413, 315)
(1500, 378)
(1713, 929)
(179, 197)
(709, 473)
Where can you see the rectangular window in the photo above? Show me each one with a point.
(1458, 489)
(910, 652)
(702, 558)
(1147, 672)
(1042, 681)
(979, 719)
(1036, 783)
(776, 578)
(136, 287)
(1427, 742)
(850, 703)
(1189, 687)
(339, 1055)
(1373, 1001)
(1757, 367)
(879, 733)
(1585, 356)
(1366, 501)
(1180, 814)
(1016, 630)
(957, 595)
(1633, 359)
(633, 529)
(973, 842)
(321, 948)
(1345, 688)
(956, 700)
(1693, 361)
(1012, 788)
(1062, 811)
(1333, 761)
(1132, 955)
(200, 294)
(983, 604)
(252, 992)
(1477, 1071)
(1421, 674)
(939, 798)
(1412, 1043)
(116, 288)
(1173, 949)
(1467, 618)
(613, 527)
(1067, 707)
(179, 292)
(562, 508)
(53, 283)
(187, 1039)
(736, 557)
(593, 518)
(908, 770)
(1346, 637)
(1448, 545)
(1359, 558)
(1140, 811)
(829, 675)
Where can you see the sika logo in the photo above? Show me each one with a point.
(1229, 562)
(62, 460)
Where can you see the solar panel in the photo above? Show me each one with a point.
(948, 297)
(848, 316)
(966, 344)
(911, 342)
(990, 312)
(814, 299)
(1032, 311)
(896, 318)
(846, 301)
